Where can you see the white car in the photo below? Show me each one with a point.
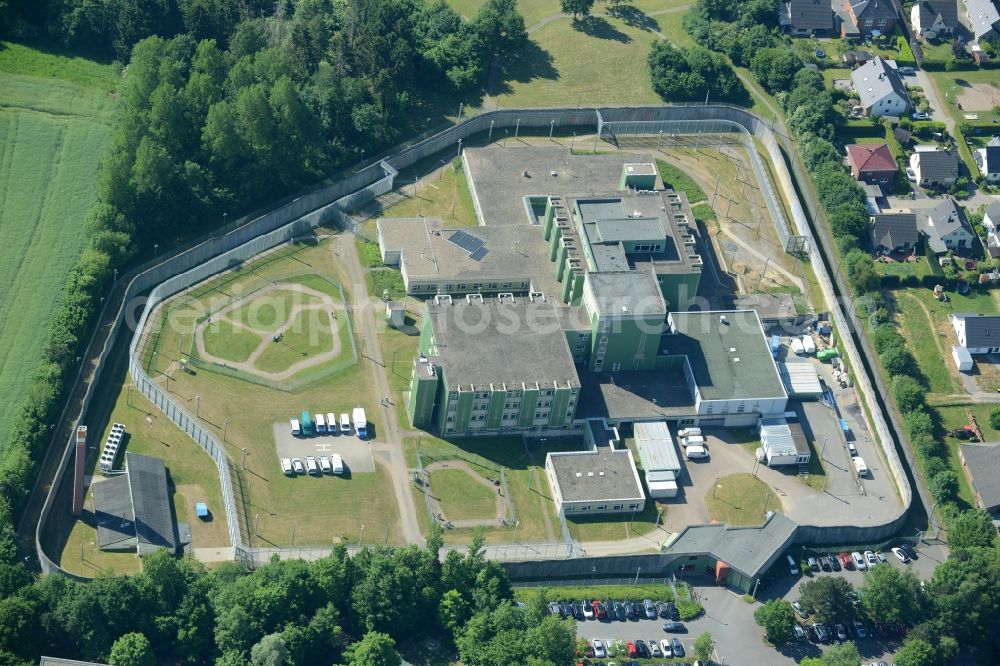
(911, 175)
(297, 466)
(870, 559)
(324, 465)
(337, 463)
(665, 646)
(345, 424)
(311, 465)
(588, 611)
(921, 115)
(859, 561)
(331, 423)
(599, 650)
(898, 552)
(881, 557)
(286, 466)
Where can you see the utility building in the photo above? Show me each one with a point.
(658, 456)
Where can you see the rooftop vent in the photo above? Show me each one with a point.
(505, 297)
(536, 295)
(600, 473)
(473, 298)
(590, 474)
(723, 320)
(579, 475)
(442, 299)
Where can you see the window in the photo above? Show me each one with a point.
(568, 509)
(881, 23)
(633, 507)
(615, 367)
(601, 507)
(868, 23)
(585, 508)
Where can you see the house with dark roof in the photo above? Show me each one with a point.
(903, 135)
(933, 18)
(893, 232)
(880, 88)
(934, 167)
(869, 17)
(133, 509)
(978, 333)
(871, 163)
(945, 227)
(988, 160)
(982, 19)
(807, 17)
(981, 464)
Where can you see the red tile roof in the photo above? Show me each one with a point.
(870, 157)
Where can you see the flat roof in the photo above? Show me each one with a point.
(513, 342)
(500, 184)
(749, 550)
(641, 169)
(983, 463)
(154, 524)
(642, 395)
(728, 354)
(604, 474)
(635, 293)
(656, 448)
(428, 254)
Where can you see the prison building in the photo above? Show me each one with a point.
(601, 481)
(133, 509)
(658, 457)
(627, 313)
(728, 365)
(494, 364)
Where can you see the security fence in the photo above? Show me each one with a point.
(331, 204)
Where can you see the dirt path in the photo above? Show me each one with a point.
(772, 265)
(501, 505)
(327, 304)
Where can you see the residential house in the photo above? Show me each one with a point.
(934, 18)
(880, 89)
(991, 221)
(807, 17)
(869, 17)
(946, 227)
(988, 161)
(893, 232)
(978, 333)
(982, 18)
(934, 167)
(981, 464)
(871, 162)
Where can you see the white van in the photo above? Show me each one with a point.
(320, 424)
(324, 464)
(331, 423)
(694, 440)
(859, 466)
(688, 432)
(696, 451)
(793, 566)
(337, 463)
(311, 466)
(345, 423)
(296, 428)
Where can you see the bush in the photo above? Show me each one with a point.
(944, 486)
(908, 392)
(918, 423)
(995, 419)
(898, 361)
(929, 447)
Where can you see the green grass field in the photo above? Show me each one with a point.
(230, 342)
(308, 335)
(741, 499)
(55, 118)
(270, 312)
(462, 497)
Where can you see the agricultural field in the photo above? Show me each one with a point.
(243, 408)
(55, 119)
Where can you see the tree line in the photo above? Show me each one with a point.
(336, 610)
(225, 105)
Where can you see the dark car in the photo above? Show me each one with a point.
(578, 610)
(620, 611)
(677, 647)
(910, 551)
(674, 628)
(631, 611)
(824, 563)
(675, 614)
(567, 609)
(834, 562)
(662, 609)
(641, 649)
(609, 610)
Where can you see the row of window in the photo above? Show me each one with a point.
(447, 288)
(569, 508)
(647, 247)
(740, 408)
(870, 22)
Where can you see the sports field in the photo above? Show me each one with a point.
(55, 118)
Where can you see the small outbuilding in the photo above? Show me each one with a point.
(962, 358)
(601, 481)
(781, 445)
(658, 456)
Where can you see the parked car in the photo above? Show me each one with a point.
(599, 649)
(598, 609)
(631, 611)
(906, 71)
(911, 175)
(900, 555)
(654, 648)
(825, 564)
(797, 607)
(813, 564)
(297, 466)
(910, 551)
(578, 610)
(620, 612)
(630, 649)
(822, 635)
(311, 465)
(800, 633)
(650, 609)
(845, 559)
(286, 466)
(859, 630)
(609, 610)
(921, 115)
(555, 608)
(675, 614)
(859, 561)
(881, 557)
(674, 628)
(662, 609)
(641, 649)
(588, 610)
(841, 632)
(677, 647)
(834, 562)
(870, 559)
(668, 651)
(324, 465)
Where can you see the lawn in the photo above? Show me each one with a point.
(443, 194)
(398, 350)
(566, 67)
(612, 527)
(462, 497)
(381, 279)
(654, 591)
(534, 11)
(53, 131)
(317, 511)
(904, 269)
(270, 312)
(950, 86)
(675, 179)
(741, 499)
(308, 335)
(228, 341)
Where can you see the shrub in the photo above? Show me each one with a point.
(918, 423)
(995, 419)
(944, 486)
(908, 392)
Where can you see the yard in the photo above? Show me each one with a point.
(953, 85)
(741, 499)
(55, 119)
(315, 511)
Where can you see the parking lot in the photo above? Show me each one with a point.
(355, 452)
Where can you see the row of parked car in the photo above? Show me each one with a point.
(821, 633)
(595, 609)
(856, 560)
(316, 466)
(666, 648)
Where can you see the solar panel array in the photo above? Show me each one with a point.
(475, 246)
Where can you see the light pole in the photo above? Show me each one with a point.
(459, 148)
(552, 126)
(460, 107)
(225, 433)
(363, 341)
(572, 143)
(197, 406)
(490, 137)
(116, 275)
(361, 539)
(156, 249)
(659, 136)
(245, 451)
(517, 127)
(637, 570)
